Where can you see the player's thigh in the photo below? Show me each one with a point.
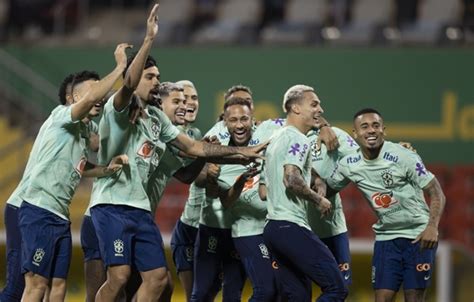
(414, 295)
(385, 295)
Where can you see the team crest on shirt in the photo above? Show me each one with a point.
(420, 169)
(118, 247)
(264, 250)
(316, 151)
(387, 178)
(38, 256)
(146, 150)
(155, 130)
(212, 244)
(383, 200)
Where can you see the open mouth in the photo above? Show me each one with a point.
(181, 113)
(190, 110)
(371, 140)
(240, 134)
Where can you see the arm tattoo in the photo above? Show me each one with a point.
(211, 150)
(294, 182)
(438, 200)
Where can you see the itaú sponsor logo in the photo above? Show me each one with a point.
(383, 200)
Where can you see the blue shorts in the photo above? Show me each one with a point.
(214, 253)
(128, 236)
(46, 242)
(257, 262)
(182, 246)
(399, 261)
(339, 247)
(15, 282)
(89, 241)
(301, 256)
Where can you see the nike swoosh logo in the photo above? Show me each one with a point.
(347, 276)
(427, 277)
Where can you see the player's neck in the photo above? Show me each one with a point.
(295, 121)
(371, 154)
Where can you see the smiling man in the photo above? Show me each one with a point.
(300, 255)
(393, 180)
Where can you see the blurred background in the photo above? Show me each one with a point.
(413, 60)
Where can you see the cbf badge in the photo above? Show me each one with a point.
(155, 130)
(387, 178)
(315, 149)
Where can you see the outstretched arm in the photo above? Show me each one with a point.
(135, 70)
(98, 90)
(189, 173)
(203, 149)
(429, 237)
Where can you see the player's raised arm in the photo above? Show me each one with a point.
(135, 70)
(294, 181)
(429, 237)
(99, 90)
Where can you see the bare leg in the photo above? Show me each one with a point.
(95, 275)
(117, 277)
(385, 295)
(168, 291)
(186, 279)
(153, 284)
(58, 290)
(415, 295)
(35, 287)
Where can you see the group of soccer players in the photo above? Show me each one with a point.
(263, 202)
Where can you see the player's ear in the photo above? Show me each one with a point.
(354, 133)
(295, 107)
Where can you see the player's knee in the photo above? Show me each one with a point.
(158, 280)
(58, 284)
(118, 277)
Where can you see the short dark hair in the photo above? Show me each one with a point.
(165, 88)
(366, 110)
(236, 101)
(235, 88)
(150, 61)
(72, 80)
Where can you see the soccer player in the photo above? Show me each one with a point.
(15, 281)
(121, 210)
(58, 160)
(299, 253)
(241, 197)
(393, 180)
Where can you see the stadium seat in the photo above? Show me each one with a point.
(175, 20)
(434, 16)
(302, 23)
(368, 17)
(237, 22)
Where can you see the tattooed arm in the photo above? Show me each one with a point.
(203, 149)
(429, 237)
(293, 181)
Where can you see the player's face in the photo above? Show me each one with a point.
(311, 110)
(192, 104)
(147, 89)
(174, 107)
(238, 119)
(369, 130)
(244, 95)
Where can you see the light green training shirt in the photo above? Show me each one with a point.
(288, 146)
(392, 184)
(324, 163)
(144, 143)
(56, 163)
